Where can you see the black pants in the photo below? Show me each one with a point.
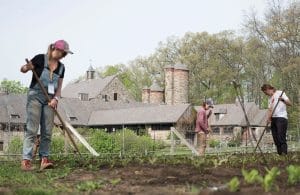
(279, 128)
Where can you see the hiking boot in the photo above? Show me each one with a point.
(45, 163)
(26, 165)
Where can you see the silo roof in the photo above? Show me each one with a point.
(155, 87)
(178, 66)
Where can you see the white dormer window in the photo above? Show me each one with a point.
(14, 116)
(83, 96)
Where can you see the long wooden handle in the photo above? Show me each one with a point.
(55, 111)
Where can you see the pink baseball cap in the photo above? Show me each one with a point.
(62, 45)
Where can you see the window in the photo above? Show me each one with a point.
(115, 96)
(83, 96)
(228, 130)
(216, 130)
(14, 116)
(219, 116)
(1, 145)
(161, 126)
(73, 118)
(105, 98)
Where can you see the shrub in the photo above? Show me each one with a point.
(213, 143)
(113, 142)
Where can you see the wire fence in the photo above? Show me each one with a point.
(126, 142)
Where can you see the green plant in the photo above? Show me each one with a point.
(104, 142)
(15, 145)
(114, 182)
(293, 174)
(252, 176)
(269, 178)
(213, 143)
(57, 145)
(234, 184)
(89, 185)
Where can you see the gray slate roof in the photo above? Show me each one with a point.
(156, 87)
(233, 115)
(92, 87)
(82, 110)
(155, 114)
(178, 66)
(12, 104)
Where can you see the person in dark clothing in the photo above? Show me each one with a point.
(278, 117)
(40, 112)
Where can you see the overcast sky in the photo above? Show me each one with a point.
(106, 31)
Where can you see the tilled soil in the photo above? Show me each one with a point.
(170, 179)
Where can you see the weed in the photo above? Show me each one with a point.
(115, 182)
(268, 181)
(252, 176)
(293, 174)
(234, 184)
(89, 185)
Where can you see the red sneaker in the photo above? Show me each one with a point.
(45, 163)
(26, 165)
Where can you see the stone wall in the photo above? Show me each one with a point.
(169, 86)
(116, 86)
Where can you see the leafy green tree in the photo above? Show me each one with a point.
(14, 87)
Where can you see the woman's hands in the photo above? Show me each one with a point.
(53, 103)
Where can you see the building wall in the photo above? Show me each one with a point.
(156, 97)
(116, 86)
(159, 134)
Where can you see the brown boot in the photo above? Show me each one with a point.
(45, 163)
(26, 165)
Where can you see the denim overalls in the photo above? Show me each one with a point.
(40, 114)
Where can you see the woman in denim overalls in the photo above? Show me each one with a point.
(39, 111)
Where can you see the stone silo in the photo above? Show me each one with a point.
(156, 94)
(146, 95)
(169, 85)
(176, 84)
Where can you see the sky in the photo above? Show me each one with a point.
(106, 32)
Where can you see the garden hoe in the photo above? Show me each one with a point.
(67, 126)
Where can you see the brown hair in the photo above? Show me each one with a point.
(266, 87)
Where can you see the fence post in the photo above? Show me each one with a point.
(123, 140)
(172, 141)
